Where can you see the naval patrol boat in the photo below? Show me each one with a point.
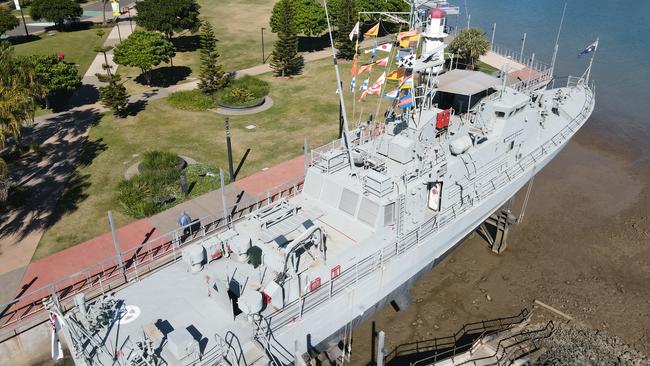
(379, 208)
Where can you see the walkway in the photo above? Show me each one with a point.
(62, 139)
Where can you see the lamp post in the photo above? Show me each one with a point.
(262, 32)
(22, 15)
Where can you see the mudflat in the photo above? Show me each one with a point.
(583, 247)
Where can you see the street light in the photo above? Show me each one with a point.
(22, 15)
(263, 58)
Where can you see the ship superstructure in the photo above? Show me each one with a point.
(378, 208)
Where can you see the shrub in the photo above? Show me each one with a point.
(246, 90)
(153, 161)
(157, 187)
(192, 100)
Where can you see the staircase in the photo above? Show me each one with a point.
(431, 351)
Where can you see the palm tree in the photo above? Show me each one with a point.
(469, 45)
(19, 92)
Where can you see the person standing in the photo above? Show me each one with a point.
(185, 222)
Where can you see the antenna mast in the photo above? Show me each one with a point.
(339, 90)
(557, 40)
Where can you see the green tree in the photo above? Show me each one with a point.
(114, 95)
(285, 60)
(469, 45)
(346, 19)
(7, 20)
(211, 75)
(168, 16)
(56, 11)
(144, 50)
(56, 75)
(309, 17)
(19, 90)
(104, 49)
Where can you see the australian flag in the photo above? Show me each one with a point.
(591, 48)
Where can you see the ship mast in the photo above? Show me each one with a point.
(339, 91)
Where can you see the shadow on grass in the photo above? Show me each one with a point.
(310, 44)
(165, 76)
(136, 107)
(189, 43)
(48, 185)
(16, 40)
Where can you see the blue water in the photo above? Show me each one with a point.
(621, 68)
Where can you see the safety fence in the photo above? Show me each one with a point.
(27, 310)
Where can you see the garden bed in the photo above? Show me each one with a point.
(245, 92)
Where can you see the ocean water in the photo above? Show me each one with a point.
(621, 68)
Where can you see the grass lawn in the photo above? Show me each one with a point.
(483, 67)
(77, 46)
(305, 106)
(237, 25)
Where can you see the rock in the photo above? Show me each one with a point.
(435, 326)
(488, 297)
(505, 278)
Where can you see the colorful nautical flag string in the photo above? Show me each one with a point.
(364, 84)
(397, 74)
(373, 32)
(392, 94)
(407, 83)
(364, 68)
(380, 80)
(354, 32)
(405, 101)
(353, 84)
(406, 34)
(382, 62)
(354, 68)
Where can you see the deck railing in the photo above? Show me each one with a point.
(357, 273)
(27, 310)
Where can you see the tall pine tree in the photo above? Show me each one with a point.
(285, 60)
(211, 75)
(346, 19)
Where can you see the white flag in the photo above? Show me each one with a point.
(386, 47)
(355, 30)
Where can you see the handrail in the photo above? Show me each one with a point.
(106, 276)
(364, 267)
(467, 328)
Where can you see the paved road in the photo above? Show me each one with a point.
(92, 13)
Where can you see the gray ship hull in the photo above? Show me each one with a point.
(379, 289)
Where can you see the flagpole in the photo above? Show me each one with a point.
(557, 41)
(346, 130)
(356, 55)
(591, 62)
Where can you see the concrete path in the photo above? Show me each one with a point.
(121, 31)
(61, 137)
(500, 62)
(63, 145)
